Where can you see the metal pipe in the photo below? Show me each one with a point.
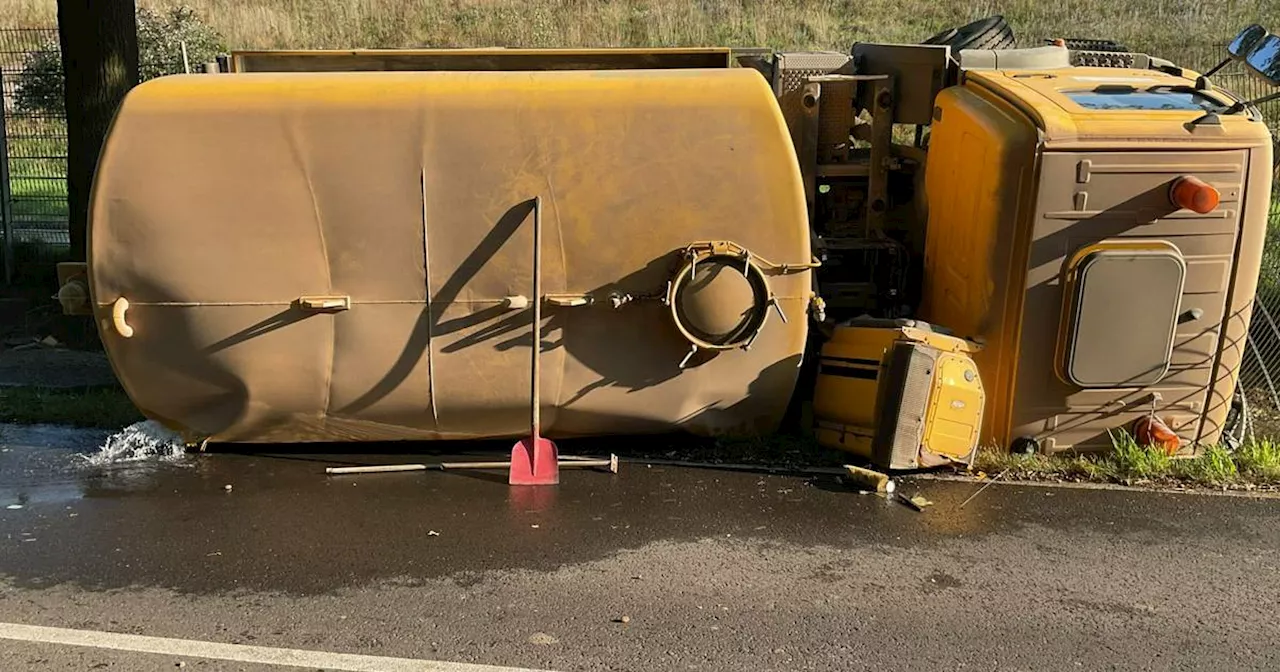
(573, 463)
(537, 318)
(567, 462)
(376, 469)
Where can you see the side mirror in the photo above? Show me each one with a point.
(1251, 35)
(1264, 59)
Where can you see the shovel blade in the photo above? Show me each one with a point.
(534, 461)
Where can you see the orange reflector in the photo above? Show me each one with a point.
(1194, 194)
(1154, 432)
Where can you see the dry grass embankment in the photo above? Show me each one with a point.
(1166, 26)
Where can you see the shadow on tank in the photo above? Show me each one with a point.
(174, 358)
(593, 335)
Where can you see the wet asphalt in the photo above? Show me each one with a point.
(713, 570)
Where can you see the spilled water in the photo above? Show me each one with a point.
(45, 464)
(141, 441)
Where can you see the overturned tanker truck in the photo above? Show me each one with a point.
(911, 250)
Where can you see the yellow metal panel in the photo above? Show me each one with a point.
(844, 397)
(955, 408)
(850, 386)
(979, 180)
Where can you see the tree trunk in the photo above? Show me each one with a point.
(100, 61)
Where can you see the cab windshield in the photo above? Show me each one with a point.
(1156, 98)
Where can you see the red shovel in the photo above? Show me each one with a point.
(535, 460)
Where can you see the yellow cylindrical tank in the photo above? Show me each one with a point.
(348, 256)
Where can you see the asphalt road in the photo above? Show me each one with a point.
(713, 570)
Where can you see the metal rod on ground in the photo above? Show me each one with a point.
(565, 462)
(979, 492)
(727, 466)
(376, 469)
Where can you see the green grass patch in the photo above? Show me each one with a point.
(1256, 464)
(102, 408)
(1137, 462)
(1259, 459)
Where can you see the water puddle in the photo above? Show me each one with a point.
(49, 464)
(52, 437)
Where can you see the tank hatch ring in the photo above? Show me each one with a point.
(720, 297)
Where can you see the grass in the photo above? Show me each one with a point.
(101, 408)
(1259, 459)
(1254, 465)
(38, 168)
(825, 24)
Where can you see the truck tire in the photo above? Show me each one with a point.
(1025, 445)
(992, 32)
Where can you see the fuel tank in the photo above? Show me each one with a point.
(349, 256)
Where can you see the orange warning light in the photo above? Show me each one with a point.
(1194, 194)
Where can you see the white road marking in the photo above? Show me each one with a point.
(240, 653)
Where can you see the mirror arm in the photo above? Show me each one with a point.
(1218, 67)
(1265, 99)
(1244, 104)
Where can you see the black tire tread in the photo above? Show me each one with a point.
(1002, 39)
(992, 32)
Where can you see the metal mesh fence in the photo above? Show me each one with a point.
(1260, 371)
(34, 144)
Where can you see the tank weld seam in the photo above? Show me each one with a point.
(296, 146)
(564, 275)
(368, 302)
(426, 287)
(203, 304)
(238, 304)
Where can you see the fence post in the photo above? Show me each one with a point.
(6, 195)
